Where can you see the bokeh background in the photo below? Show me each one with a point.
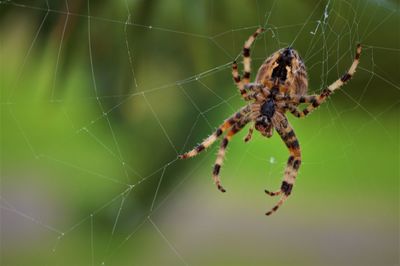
(99, 97)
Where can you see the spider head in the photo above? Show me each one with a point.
(286, 70)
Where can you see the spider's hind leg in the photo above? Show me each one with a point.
(249, 134)
(208, 141)
(221, 152)
(287, 134)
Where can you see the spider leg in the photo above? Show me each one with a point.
(247, 66)
(237, 79)
(249, 134)
(257, 91)
(246, 56)
(221, 152)
(316, 100)
(287, 134)
(293, 109)
(213, 137)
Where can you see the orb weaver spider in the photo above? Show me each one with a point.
(280, 86)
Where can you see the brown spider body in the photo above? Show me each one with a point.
(280, 86)
(284, 70)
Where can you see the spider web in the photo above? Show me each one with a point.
(97, 101)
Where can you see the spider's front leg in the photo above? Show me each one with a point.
(287, 134)
(249, 134)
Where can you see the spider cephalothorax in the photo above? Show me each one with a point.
(263, 121)
(280, 86)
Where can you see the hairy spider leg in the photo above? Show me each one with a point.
(246, 64)
(236, 79)
(228, 123)
(255, 112)
(316, 100)
(288, 136)
(221, 152)
(249, 134)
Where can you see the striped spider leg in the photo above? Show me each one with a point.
(221, 152)
(242, 84)
(288, 136)
(234, 123)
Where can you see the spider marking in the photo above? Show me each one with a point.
(280, 86)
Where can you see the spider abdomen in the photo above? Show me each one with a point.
(285, 71)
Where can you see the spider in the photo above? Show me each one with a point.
(280, 86)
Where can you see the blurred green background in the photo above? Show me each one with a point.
(97, 99)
